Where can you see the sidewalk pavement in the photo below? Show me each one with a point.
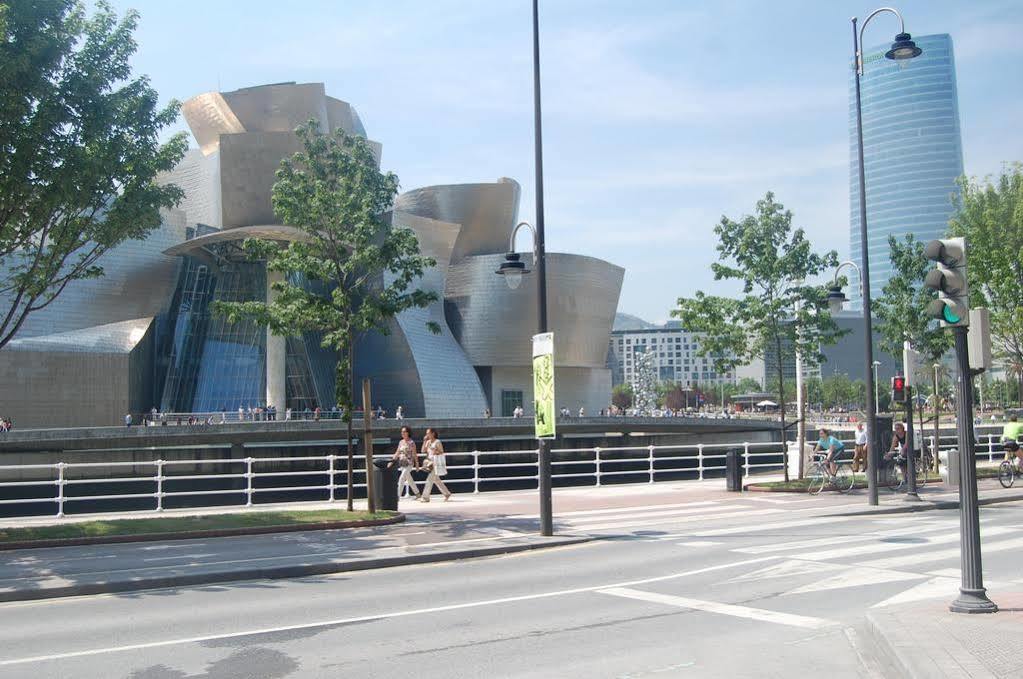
(468, 526)
(924, 640)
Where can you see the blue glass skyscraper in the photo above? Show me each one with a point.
(912, 150)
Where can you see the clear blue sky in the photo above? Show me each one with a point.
(659, 117)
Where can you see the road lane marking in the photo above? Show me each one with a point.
(648, 517)
(679, 520)
(940, 555)
(760, 614)
(857, 550)
(908, 531)
(614, 510)
(378, 616)
(699, 543)
(855, 577)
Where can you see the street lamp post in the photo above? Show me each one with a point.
(513, 269)
(937, 416)
(836, 300)
(877, 399)
(902, 49)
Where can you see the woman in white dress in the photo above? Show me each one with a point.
(434, 451)
(407, 460)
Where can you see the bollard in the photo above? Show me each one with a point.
(733, 473)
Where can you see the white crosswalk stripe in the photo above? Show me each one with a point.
(643, 520)
(857, 550)
(903, 561)
(841, 539)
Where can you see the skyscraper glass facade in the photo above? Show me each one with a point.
(912, 151)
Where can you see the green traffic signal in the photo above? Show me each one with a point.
(949, 315)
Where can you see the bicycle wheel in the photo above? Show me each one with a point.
(818, 478)
(844, 478)
(891, 476)
(1006, 474)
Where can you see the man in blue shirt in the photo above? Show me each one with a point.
(832, 446)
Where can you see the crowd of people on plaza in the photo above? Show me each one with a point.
(429, 457)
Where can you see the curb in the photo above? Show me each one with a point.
(196, 534)
(925, 505)
(883, 648)
(281, 572)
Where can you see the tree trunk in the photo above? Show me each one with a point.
(349, 400)
(781, 405)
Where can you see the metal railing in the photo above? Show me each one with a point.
(251, 480)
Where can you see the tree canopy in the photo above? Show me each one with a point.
(354, 272)
(778, 313)
(901, 309)
(989, 214)
(79, 150)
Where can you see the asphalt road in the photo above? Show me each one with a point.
(768, 589)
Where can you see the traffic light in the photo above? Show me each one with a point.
(898, 389)
(949, 279)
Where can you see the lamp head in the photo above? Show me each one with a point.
(903, 49)
(836, 299)
(512, 268)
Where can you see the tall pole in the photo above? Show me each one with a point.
(873, 445)
(543, 445)
(911, 493)
(937, 420)
(972, 595)
(877, 399)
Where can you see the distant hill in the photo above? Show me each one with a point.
(630, 322)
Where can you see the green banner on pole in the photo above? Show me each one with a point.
(543, 384)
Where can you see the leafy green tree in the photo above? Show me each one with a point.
(901, 309)
(621, 396)
(778, 314)
(748, 385)
(333, 191)
(989, 214)
(79, 150)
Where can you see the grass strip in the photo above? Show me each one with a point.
(181, 524)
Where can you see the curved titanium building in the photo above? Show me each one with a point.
(145, 334)
(911, 147)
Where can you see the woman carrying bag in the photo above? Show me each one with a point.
(407, 460)
(435, 464)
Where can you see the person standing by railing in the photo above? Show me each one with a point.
(860, 449)
(438, 468)
(407, 459)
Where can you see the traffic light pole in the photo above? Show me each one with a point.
(972, 595)
(911, 493)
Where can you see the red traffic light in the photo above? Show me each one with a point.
(899, 389)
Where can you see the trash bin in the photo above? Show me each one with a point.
(385, 485)
(733, 471)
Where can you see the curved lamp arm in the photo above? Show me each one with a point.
(855, 266)
(859, 44)
(515, 232)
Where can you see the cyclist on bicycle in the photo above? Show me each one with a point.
(832, 446)
(1011, 433)
(898, 448)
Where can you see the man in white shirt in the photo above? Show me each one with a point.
(860, 448)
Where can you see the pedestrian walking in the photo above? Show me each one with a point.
(399, 414)
(407, 459)
(435, 464)
(127, 420)
(860, 449)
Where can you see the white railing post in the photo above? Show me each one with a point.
(475, 471)
(650, 459)
(330, 470)
(596, 460)
(990, 447)
(60, 488)
(159, 485)
(745, 457)
(248, 482)
(699, 459)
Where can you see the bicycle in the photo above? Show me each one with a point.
(820, 475)
(894, 470)
(1009, 469)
